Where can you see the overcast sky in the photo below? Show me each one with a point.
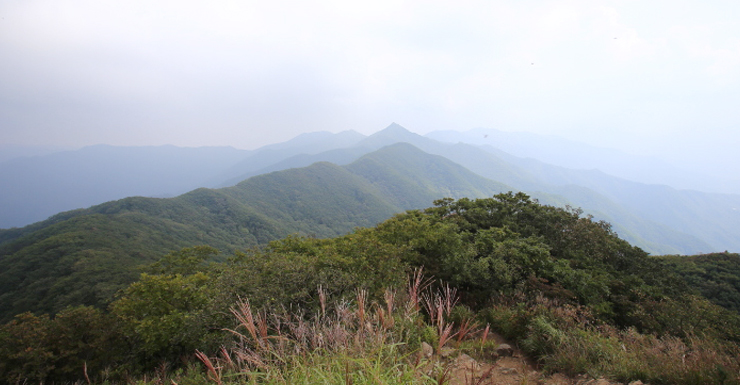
(653, 76)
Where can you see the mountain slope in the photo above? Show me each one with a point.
(35, 188)
(87, 256)
(551, 184)
(412, 178)
(657, 218)
(712, 217)
(341, 156)
(323, 199)
(654, 236)
(84, 256)
(561, 152)
(269, 158)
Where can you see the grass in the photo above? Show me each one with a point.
(358, 342)
(343, 343)
(568, 340)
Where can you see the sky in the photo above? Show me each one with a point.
(647, 77)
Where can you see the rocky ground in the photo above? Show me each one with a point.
(506, 366)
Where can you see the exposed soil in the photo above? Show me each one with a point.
(509, 370)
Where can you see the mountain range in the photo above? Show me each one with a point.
(84, 256)
(659, 218)
(320, 185)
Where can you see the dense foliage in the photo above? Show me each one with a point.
(715, 276)
(83, 257)
(544, 276)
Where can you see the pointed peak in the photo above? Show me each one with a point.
(395, 128)
(391, 134)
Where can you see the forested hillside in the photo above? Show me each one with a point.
(570, 288)
(84, 256)
(34, 188)
(362, 306)
(640, 213)
(716, 276)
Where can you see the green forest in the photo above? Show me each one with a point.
(85, 256)
(354, 307)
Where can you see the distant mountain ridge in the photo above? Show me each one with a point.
(561, 152)
(35, 188)
(84, 256)
(658, 218)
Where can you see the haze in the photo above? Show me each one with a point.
(654, 78)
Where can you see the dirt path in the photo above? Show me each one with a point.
(510, 368)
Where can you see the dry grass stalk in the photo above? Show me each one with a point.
(84, 371)
(485, 334)
(417, 285)
(443, 376)
(261, 320)
(467, 327)
(434, 310)
(445, 335)
(478, 380)
(276, 340)
(214, 373)
(243, 314)
(322, 300)
(226, 358)
(249, 358)
(449, 298)
(390, 299)
(439, 306)
(361, 306)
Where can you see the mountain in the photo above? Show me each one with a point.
(570, 154)
(315, 142)
(634, 227)
(269, 158)
(711, 217)
(660, 219)
(278, 163)
(523, 175)
(10, 152)
(84, 256)
(412, 179)
(34, 188)
(588, 189)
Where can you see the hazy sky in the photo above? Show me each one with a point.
(645, 76)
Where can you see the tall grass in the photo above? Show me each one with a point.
(346, 342)
(364, 342)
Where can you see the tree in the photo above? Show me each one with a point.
(163, 313)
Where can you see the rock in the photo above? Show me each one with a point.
(509, 371)
(466, 362)
(599, 381)
(426, 350)
(504, 350)
(638, 382)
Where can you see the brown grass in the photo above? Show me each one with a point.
(276, 340)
